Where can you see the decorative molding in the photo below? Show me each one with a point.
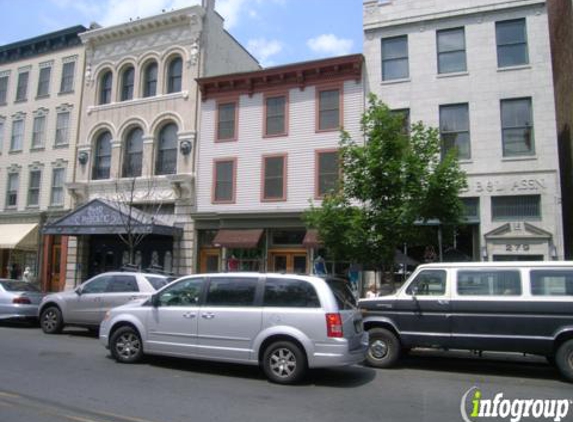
(19, 116)
(65, 107)
(60, 163)
(14, 168)
(70, 59)
(36, 165)
(46, 64)
(41, 112)
(24, 69)
(5, 73)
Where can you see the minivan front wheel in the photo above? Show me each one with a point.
(383, 348)
(51, 320)
(125, 345)
(564, 359)
(284, 362)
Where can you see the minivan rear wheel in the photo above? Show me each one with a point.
(564, 359)
(284, 362)
(383, 348)
(125, 345)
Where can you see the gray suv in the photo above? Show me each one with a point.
(87, 304)
(284, 323)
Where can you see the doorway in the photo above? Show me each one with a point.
(209, 260)
(288, 261)
(56, 256)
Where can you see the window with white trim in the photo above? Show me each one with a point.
(12, 190)
(58, 180)
(44, 81)
(67, 82)
(62, 128)
(39, 132)
(517, 127)
(395, 58)
(16, 141)
(34, 188)
(511, 38)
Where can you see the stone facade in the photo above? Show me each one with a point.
(481, 86)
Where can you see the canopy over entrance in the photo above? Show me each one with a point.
(19, 236)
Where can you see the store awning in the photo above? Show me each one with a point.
(100, 216)
(247, 239)
(19, 236)
(311, 239)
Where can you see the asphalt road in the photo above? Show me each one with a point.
(70, 377)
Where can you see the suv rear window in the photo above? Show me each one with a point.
(159, 282)
(283, 292)
(342, 293)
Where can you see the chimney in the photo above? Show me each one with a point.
(208, 5)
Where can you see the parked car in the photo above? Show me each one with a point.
(87, 304)
(524, 307)
(19, 300)
(284, 323)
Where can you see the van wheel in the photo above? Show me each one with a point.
(564, 359)
(284, 362)
(125, 345)
(51, 320)
(383, 348)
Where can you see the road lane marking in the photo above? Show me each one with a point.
(80, 419)
(12, 396)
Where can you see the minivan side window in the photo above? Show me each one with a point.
(428, 283)
(551, 282)
(231, 291)
(342, 293)
(489, 283)
(282, 292)
(122, 284)
(183, 293)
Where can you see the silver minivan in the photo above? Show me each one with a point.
(284, 323)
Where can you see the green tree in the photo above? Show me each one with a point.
(390, 182)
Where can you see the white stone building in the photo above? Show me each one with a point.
(137, 137)
(267, 146)
(479, 70)
(40, 93)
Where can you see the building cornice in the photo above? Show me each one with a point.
(371, 22)
(283, 77)
(135, 27)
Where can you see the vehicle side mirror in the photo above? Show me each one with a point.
(414, 292)
(155, 301)
(78, 291)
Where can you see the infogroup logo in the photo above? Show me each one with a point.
(514, 410)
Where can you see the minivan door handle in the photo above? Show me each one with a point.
(189, 315)
(443, 301)
(208, 316)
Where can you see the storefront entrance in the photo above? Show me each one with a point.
(209, 260)
(292, 261)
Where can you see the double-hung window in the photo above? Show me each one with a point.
(224, 180)
(105, 88)
(275, 115)
(175, 75)
(226, 121)
(22, 87)
(327, 172)
(39, 132)
(395, 58)
(518, 207)
(34, 188)
(44, 81)
(127, 83)
(58, 180)
(329, 109)
(17, 135)
(67, 82)
(12, 190)
(102, 158)
(274, 178)
(62, 128)
(455, 129)
(451, 50)
(150, 80)
(3, 89)
(517, 127)
(511, 37)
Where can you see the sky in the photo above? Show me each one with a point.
(276, 32)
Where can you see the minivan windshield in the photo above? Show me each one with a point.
(343, 293)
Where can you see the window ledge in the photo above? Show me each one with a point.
(37, 149)
(466, 161)
(395, 81)
(21, 100)
(510, 68)
(42, 97)
(528, 158)
(65, 92)
(137, 101)
(32, 207)
(11, 208)
(61, 146)
(14, 152)
(56, 207)
(452, 74)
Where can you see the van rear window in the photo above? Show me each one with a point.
(489, 283)
(551, 283)
(342, 293)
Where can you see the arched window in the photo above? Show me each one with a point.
(133, 156)
(166, 161)
(105, 88)
(102, 157)
(127, 80)
(174, 75)
(150, 80)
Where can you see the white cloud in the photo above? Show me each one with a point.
(263, 49)
(231, 11)
(330, 44)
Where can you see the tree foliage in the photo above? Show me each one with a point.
(390, 181)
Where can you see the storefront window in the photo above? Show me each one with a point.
(244, 260)
(288, 237)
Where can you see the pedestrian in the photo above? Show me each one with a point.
(28, 276)
(371, 293)
(14, 272)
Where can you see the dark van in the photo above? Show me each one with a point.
(524, 307)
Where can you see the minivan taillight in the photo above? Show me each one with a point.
(21, 300)
(333, 325)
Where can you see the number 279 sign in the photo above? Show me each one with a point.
(517, 247)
